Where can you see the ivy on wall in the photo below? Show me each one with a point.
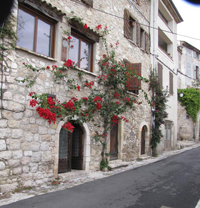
(191, 101)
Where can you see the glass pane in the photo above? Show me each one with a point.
(63, 144)
(74, 52)
(25, 30)
(85, 56)
(44, 38)
(169, 132)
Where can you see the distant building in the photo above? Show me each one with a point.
(188, 73)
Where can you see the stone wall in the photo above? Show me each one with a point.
(28, 144)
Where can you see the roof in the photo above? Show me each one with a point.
(173, 10)
(187, 45)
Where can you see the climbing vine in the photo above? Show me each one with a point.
(108, 97)
(191, 101)
(159, 100)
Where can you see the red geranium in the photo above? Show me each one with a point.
(85, 26)
(69, 63)
(97, 99)
(98, 106)
(68, 126)
(116, 95)
(115, 119)
(98, 27)
(33, 103)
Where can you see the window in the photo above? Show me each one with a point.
(81, 53)
(196, 72)
(160, 72)
(171, 83)
(195, 54)
(134, 32)
(165, 44)
(162, 17)
(135, 83)
(142, 38)
(35, 32)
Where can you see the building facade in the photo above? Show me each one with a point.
(188, 74)
(31, 150)
(164, 58)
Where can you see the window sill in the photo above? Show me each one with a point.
(165, 53)
(143, 50)
(131, 93)
(85, 71)
(35, 54)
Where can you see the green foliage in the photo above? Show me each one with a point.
(191, 101)
(159, 100)
(104, 164)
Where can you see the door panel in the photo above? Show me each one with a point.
(64, 159)
(77, 148)
(143, 141)
(114, 142)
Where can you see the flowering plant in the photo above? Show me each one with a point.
(108, 98)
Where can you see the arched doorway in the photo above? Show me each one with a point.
(143, 135)
(70, 150)
(114, 142)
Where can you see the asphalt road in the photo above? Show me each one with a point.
(173, 182)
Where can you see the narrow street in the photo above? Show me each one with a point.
(173, 182)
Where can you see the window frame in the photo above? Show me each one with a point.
(171, 85)
(88, 41)
(135, 35)
(39, 16)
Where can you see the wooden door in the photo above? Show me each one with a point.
(64, 163)
(114, 142)
(77, 148)
(143, 141)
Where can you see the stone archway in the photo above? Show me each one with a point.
(86, 147)
(144, 139)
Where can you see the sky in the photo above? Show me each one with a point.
(190, 26)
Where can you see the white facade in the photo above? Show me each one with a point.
(164, 20)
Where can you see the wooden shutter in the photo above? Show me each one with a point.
(171, 83)
(138, 34)
(126, 23)
(160, 69)
(146, 42)
(135, 83)
(88, 2)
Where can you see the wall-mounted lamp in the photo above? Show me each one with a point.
(181, 94)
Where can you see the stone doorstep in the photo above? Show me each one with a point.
(144, 157)
(74, 174)
(115, 164)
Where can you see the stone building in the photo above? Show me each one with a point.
(30, 150)
(188, 73)
(164, 58)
